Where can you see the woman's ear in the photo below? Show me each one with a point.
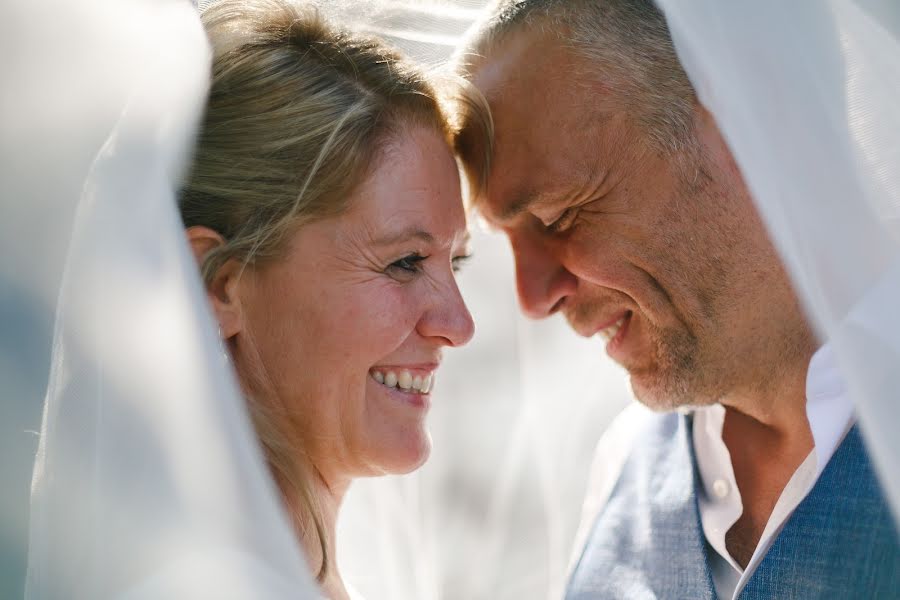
(222, 290)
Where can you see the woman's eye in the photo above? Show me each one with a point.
(458, 261)
(409, 264)
(563, 221)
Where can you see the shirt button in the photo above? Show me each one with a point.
(721, 488)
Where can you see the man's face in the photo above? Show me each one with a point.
(662, 255)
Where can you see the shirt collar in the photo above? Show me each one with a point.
(828, 407)
(830, 415)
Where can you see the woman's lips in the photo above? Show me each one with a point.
(409, 388)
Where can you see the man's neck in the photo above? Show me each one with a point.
(768, 436)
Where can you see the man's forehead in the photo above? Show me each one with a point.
(550, 125)
(519, 60)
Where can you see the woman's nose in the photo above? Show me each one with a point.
(448, 318)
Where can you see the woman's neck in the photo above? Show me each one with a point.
(326, 501)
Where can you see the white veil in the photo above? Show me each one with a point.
(807, 95)
(149, 482)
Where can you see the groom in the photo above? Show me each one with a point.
(627, 215)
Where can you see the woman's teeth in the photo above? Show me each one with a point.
(405, 380)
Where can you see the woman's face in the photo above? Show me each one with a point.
(351, 324)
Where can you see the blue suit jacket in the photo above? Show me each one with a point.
(647, 542)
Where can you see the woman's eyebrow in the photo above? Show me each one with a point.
(403, 236)
(414, 233)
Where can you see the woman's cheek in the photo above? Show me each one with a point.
(397, 314)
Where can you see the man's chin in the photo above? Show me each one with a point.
(665, 394)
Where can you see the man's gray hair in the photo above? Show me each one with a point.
(627, 46)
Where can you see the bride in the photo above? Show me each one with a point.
(324, 209)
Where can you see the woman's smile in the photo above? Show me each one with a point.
(414, 380)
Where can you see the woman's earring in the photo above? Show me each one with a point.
(223, 348)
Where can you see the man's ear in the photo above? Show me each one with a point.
(222, 290)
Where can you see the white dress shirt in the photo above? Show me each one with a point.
(830, 415)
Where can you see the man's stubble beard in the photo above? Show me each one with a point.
(667, 379)
(703, 362)
(672, 379)
(684, 371)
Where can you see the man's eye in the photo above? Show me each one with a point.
(409, 264)
(564, 221)
(458, 261)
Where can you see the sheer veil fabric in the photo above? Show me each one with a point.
(806, 94)
(149, 482)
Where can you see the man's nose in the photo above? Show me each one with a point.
(542, 281)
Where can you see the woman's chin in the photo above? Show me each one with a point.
(403, 453)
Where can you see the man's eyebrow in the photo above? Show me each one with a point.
(527, 199)
(404, 236)
(523, 201)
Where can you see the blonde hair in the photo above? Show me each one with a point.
(298, 112)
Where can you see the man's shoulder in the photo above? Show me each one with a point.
(635, 420)
(634, 423)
